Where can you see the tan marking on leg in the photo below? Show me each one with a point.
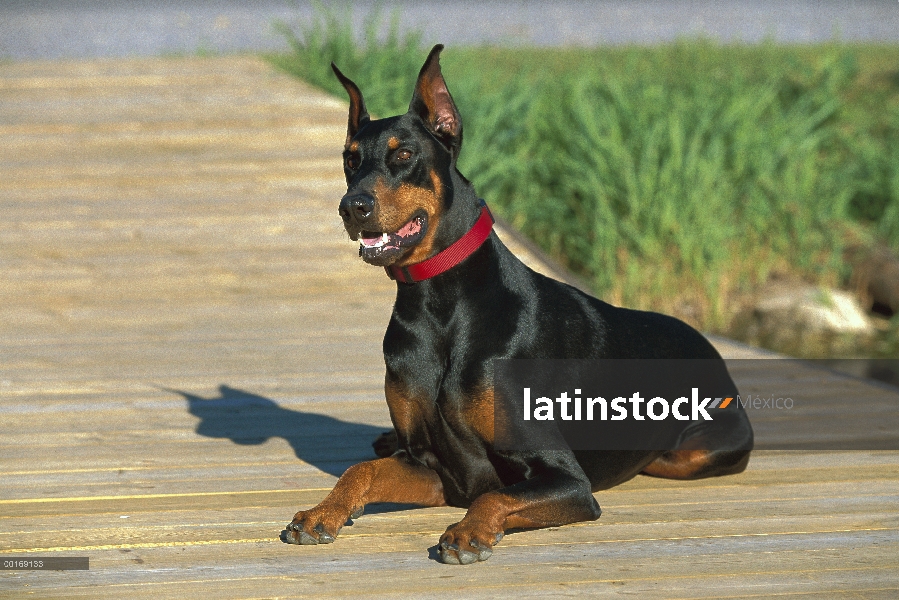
(389, 479)
(404, 411)
(474, 536)
(491, 514)
(478, 413)
(679, 464)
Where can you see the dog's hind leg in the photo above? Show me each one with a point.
(708, 449)
(697, 463)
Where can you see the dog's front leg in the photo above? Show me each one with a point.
(392, 479)
(554, 498)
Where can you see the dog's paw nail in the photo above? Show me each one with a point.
(307, 540)
(287, 537)
(499, 536)
(484, 551)
(323, 537)
(450, 554)
(357, 513)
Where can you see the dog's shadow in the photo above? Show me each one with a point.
(328, 444)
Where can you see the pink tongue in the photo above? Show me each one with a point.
(410, 228)
(370, 241)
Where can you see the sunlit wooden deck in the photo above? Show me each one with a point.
(190, 352)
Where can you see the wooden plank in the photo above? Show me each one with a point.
(149, 516)
(792, 563)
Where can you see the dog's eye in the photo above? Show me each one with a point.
(403, 155)
(352, 163)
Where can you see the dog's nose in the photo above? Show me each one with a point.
(356, 208)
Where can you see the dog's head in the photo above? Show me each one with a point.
(399, 171)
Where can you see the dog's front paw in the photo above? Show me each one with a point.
(319, 525)
(466, 543)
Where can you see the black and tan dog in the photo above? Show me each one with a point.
(463, 300)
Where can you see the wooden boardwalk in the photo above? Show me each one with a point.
(190, 352)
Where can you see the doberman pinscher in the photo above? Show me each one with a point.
(463, 299)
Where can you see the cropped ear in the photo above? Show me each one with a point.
(432, 102)
(358, 114)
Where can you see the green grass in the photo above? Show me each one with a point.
(677, 178)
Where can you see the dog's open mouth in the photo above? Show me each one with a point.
(382, 248)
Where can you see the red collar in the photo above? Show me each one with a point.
(450, 257)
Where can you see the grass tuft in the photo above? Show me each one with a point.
(676, 178)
